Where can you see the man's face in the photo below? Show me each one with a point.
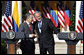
(30, 18)
(38, 16)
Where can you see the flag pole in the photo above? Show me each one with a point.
(65, 28)
(80, 47)
(60, 29)
(20, 15)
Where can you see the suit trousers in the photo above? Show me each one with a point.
(44, 50)
(31, 51)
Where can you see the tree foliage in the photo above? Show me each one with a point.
(3, 47)
(73, 17)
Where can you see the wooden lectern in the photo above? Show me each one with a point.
(71, 39)
(11, 38)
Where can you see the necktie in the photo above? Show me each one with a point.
(30, 27)
(39, 26)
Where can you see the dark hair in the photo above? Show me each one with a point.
(27, 15)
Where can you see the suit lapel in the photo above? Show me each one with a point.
(42, 25)
(37, 28)
(28, 28)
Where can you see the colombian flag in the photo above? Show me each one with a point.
(53, 12)
(15, 17)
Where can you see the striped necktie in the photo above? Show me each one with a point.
(30, 27)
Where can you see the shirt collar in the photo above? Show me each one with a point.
(40, 20)
(27, 22)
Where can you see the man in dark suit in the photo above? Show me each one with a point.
(44, 28)
(27, 44)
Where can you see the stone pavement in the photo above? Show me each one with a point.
(60, 48)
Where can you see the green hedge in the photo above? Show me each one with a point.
(3, 47)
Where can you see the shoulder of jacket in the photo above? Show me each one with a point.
(24, 23)
(47, 19)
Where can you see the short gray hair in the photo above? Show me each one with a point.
(37, 12)
(27, 15)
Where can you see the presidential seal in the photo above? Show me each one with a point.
(72, 36)
(10, 35)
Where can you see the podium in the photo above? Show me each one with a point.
(71, 39)
(11, 38)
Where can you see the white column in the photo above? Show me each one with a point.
(12, 6)
(20, 10)
(77, 13)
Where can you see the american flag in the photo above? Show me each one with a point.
(46, 10)
(79, 27)
(61, 18)
(32, 10)
(7, 21)
(79, 18)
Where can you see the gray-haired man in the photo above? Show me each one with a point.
(27, 44)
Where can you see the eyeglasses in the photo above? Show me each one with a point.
(37, 16)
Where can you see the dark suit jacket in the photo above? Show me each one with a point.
(26, 43)
(46, 36)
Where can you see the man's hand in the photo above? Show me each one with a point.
(36, 35)
(57, 35)
(17, 45)
(32, 35)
